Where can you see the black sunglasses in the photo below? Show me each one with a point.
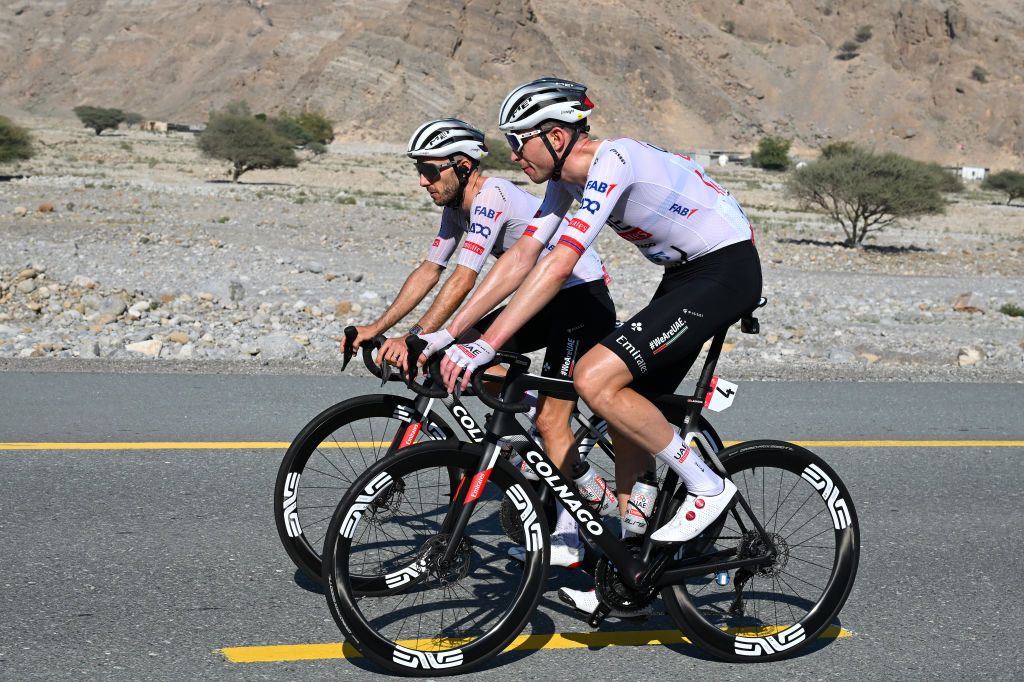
(432, 172)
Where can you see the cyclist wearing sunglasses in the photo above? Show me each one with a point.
(680, 219)
(492, 214)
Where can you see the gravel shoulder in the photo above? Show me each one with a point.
(130, 253)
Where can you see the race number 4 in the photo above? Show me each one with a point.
(720, 395)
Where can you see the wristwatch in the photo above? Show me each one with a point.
(417, 330)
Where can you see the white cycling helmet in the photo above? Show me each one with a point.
(444, 137)
(545, 99)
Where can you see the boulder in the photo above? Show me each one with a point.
(280, 347)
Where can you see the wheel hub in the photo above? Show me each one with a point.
(451, 571)
(754, 545)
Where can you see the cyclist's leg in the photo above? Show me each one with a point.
(693, 304)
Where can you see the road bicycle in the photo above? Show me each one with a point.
(342, 441)
(759, 584)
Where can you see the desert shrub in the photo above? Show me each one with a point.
(99, 118)
(15, 142)
(836, 148)
(979, 74)
(772, 153)
(248, 143)
(848, 50)
(498, 157)
(863, 34)
(863, 191)
(1012, 310)
(1008, 181)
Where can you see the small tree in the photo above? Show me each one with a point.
(317, 126)
(98, 118)
(1011, 182)
(15, 142)
(864, 192)
(288, 128)
(772, 153)
(132, 119)
(235, 135)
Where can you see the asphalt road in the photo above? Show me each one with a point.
(143, 564)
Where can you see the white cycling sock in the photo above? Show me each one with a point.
(699, 478)
(565, 526)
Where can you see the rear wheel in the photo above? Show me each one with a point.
(770, 611)
(428, 616)
(330, 452)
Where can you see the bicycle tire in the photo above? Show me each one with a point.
(488, 597)
(336, 474)
(698, 605)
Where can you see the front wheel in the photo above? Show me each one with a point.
(329, 453)
(770, 611)
(433, 616)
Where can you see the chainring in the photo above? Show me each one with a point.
(613, 591)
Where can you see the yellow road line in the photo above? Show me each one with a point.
(567, 640)
(279, 445)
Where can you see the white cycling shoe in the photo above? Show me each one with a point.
(587, 602)
(696, 513)
(561, 554)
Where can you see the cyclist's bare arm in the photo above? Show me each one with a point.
(417, 285)
(504, 277)
(540, 286)
(448, 300)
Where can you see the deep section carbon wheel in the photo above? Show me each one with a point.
(327, 455)
(770, 610)
(433, 615)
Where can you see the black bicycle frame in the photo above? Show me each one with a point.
(650, 569)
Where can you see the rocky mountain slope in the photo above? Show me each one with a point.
(937, 79)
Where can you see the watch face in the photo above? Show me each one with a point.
(416, 330)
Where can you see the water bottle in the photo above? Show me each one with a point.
(722, 578)
(641, 503)
(525, 469)
(594, 489)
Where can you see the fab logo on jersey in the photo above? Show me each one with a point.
(684, 211)
(488, 213)
(602, 187)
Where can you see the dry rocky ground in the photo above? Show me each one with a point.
(130, 251)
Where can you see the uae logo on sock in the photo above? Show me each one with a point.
(683, 454)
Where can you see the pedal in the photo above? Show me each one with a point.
(598, 616)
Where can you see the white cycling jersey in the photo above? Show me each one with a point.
(499, 216)
(662, 202)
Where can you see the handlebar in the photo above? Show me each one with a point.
(519, 365)
(432, 388)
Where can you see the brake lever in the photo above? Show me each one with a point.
(414, 346)
(385, 372)
(348, 351)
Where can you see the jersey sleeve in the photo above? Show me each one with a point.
(446, 240)
(485, 221)
(610, 176)
(549, 216)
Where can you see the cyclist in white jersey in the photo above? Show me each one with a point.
(680, 219)
(493, 214)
